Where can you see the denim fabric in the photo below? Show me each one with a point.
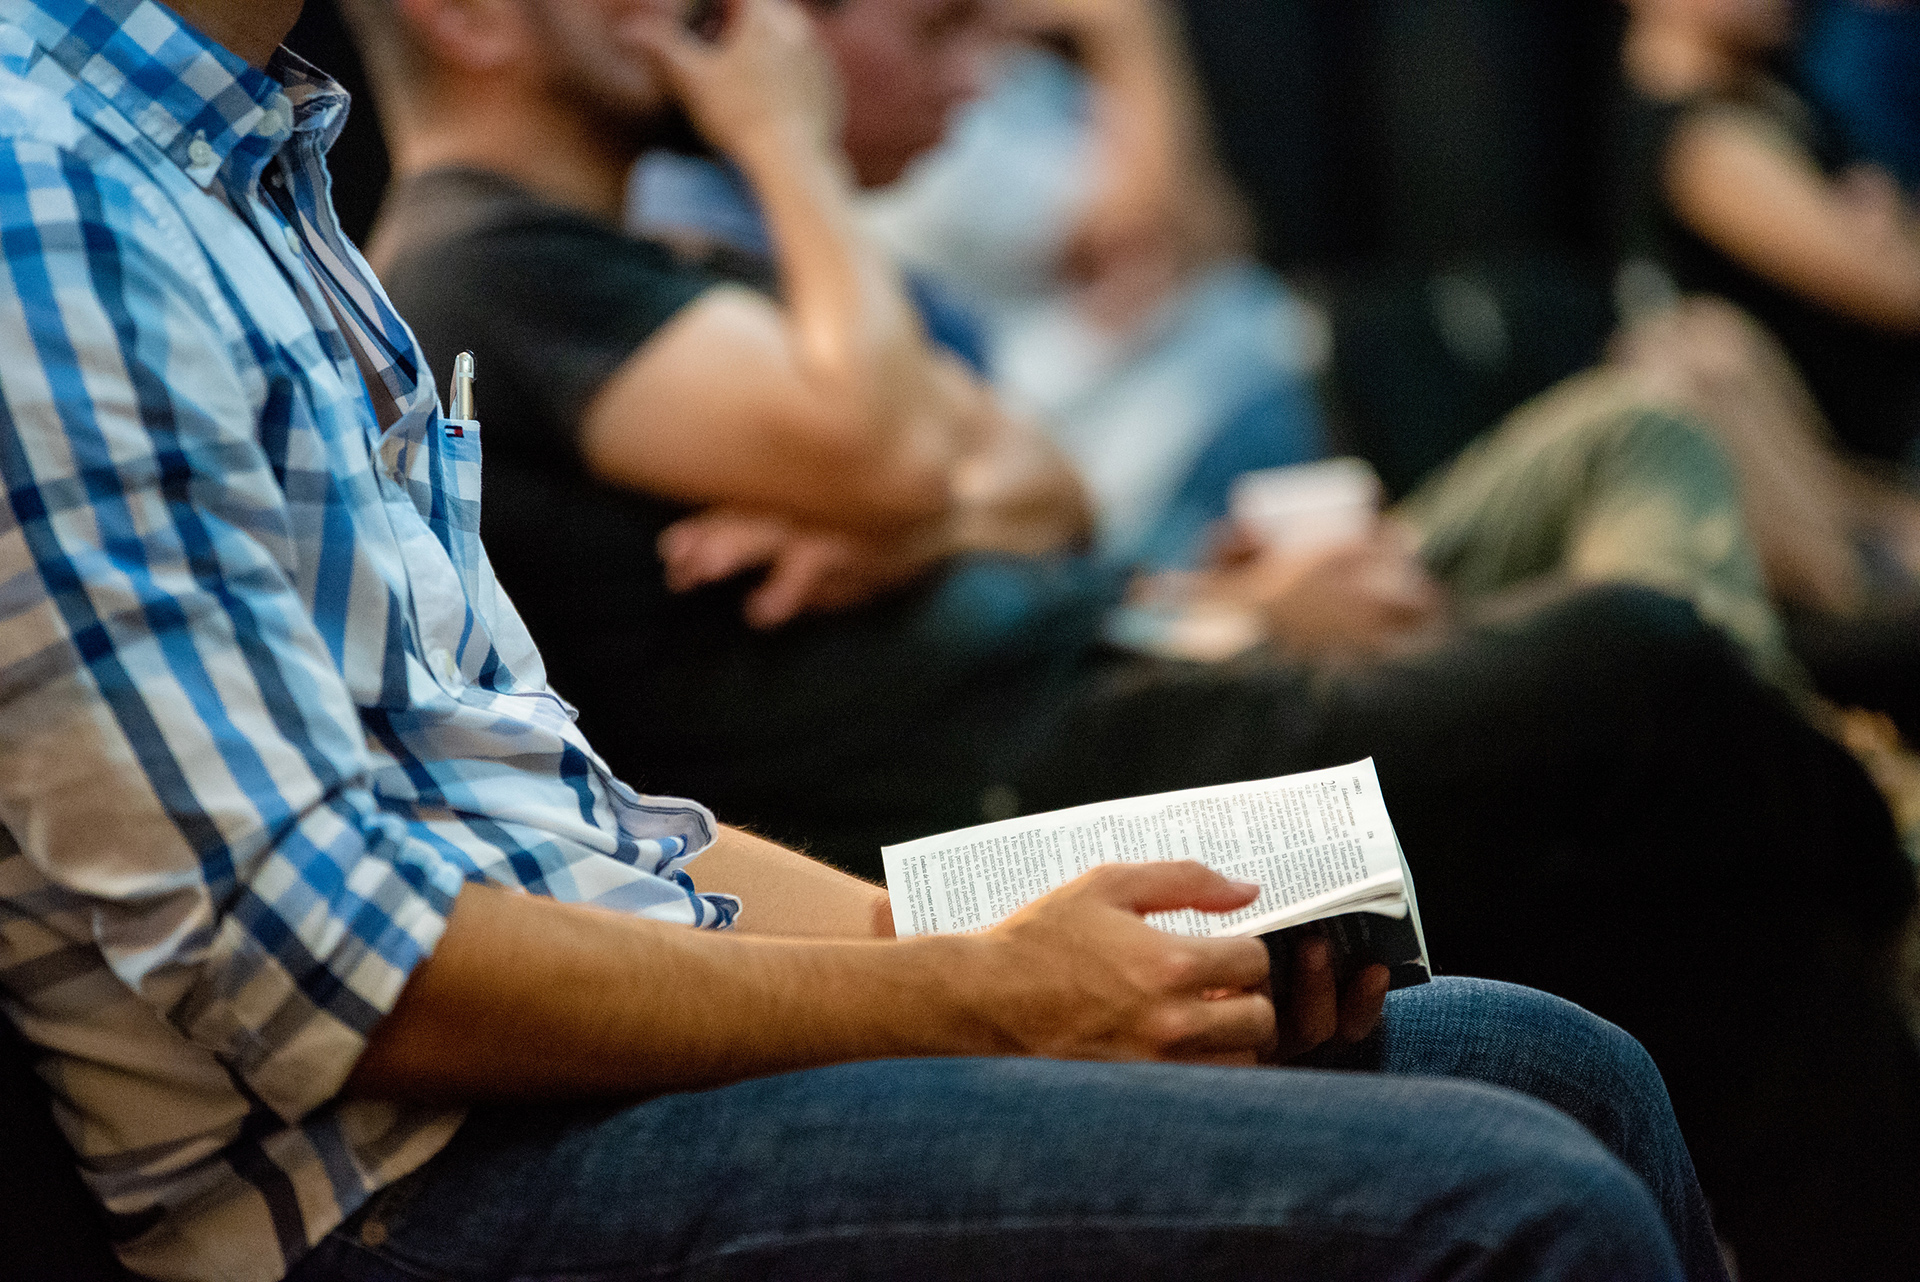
(1001, 1168)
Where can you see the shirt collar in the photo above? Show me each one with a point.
(198, 102)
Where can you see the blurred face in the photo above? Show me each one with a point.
(907, 66)
(1742, 24)
(586, 63)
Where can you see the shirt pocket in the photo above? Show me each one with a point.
(453, 449)
(457, 442)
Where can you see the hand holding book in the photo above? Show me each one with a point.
(1318, 846)
(1104, 985)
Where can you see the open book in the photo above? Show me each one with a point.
(1319, 845)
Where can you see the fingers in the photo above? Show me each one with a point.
(1233, 545)
(676, 53)
(1395, 576)
(796, 583)
(1099, 982)
(1361, 1003)
(1318, 1011)
(688, 40)
(1312, 1013)
(1169, 886)
(765, 68)
(717, 545)
(781, 597)
(1237, 965)
(1193, 965)
(817, 572)
(1228, 1029)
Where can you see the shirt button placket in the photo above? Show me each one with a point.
(202, 160)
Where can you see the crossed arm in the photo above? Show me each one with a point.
(1851, 245)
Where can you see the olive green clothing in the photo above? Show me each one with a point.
(1593, 483)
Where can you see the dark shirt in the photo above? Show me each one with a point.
(898, 713)
(1866, 379)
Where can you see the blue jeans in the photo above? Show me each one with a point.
(1438, 1165)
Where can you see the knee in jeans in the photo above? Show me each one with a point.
(1601, 1214)
(1604, 1057)
(1548, 1048)
(1557, 1193)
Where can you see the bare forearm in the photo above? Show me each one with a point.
(1761, 201)
(814, 406)
(1135, 53)
(529, 998)
(856, 333)
(1163, 207)
(786, 893)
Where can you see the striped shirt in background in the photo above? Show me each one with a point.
(262, 707)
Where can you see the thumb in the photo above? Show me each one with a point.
(1166, 887)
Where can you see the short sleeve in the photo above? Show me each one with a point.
(550, 305)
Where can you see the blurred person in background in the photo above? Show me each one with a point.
(671, 453)
(1732, 186)
(1076, 244)
(1081, 204)
(1731, 496)
(918, 64)
(1080, 207)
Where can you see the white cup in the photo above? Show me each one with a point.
(1308, 505)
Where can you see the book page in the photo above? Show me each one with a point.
(1308, 840)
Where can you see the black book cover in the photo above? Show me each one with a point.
(1358, 940)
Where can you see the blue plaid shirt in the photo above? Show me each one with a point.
(263, 709)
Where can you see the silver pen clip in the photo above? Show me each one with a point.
(460, 398)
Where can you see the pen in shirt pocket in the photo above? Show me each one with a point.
(460, 395)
